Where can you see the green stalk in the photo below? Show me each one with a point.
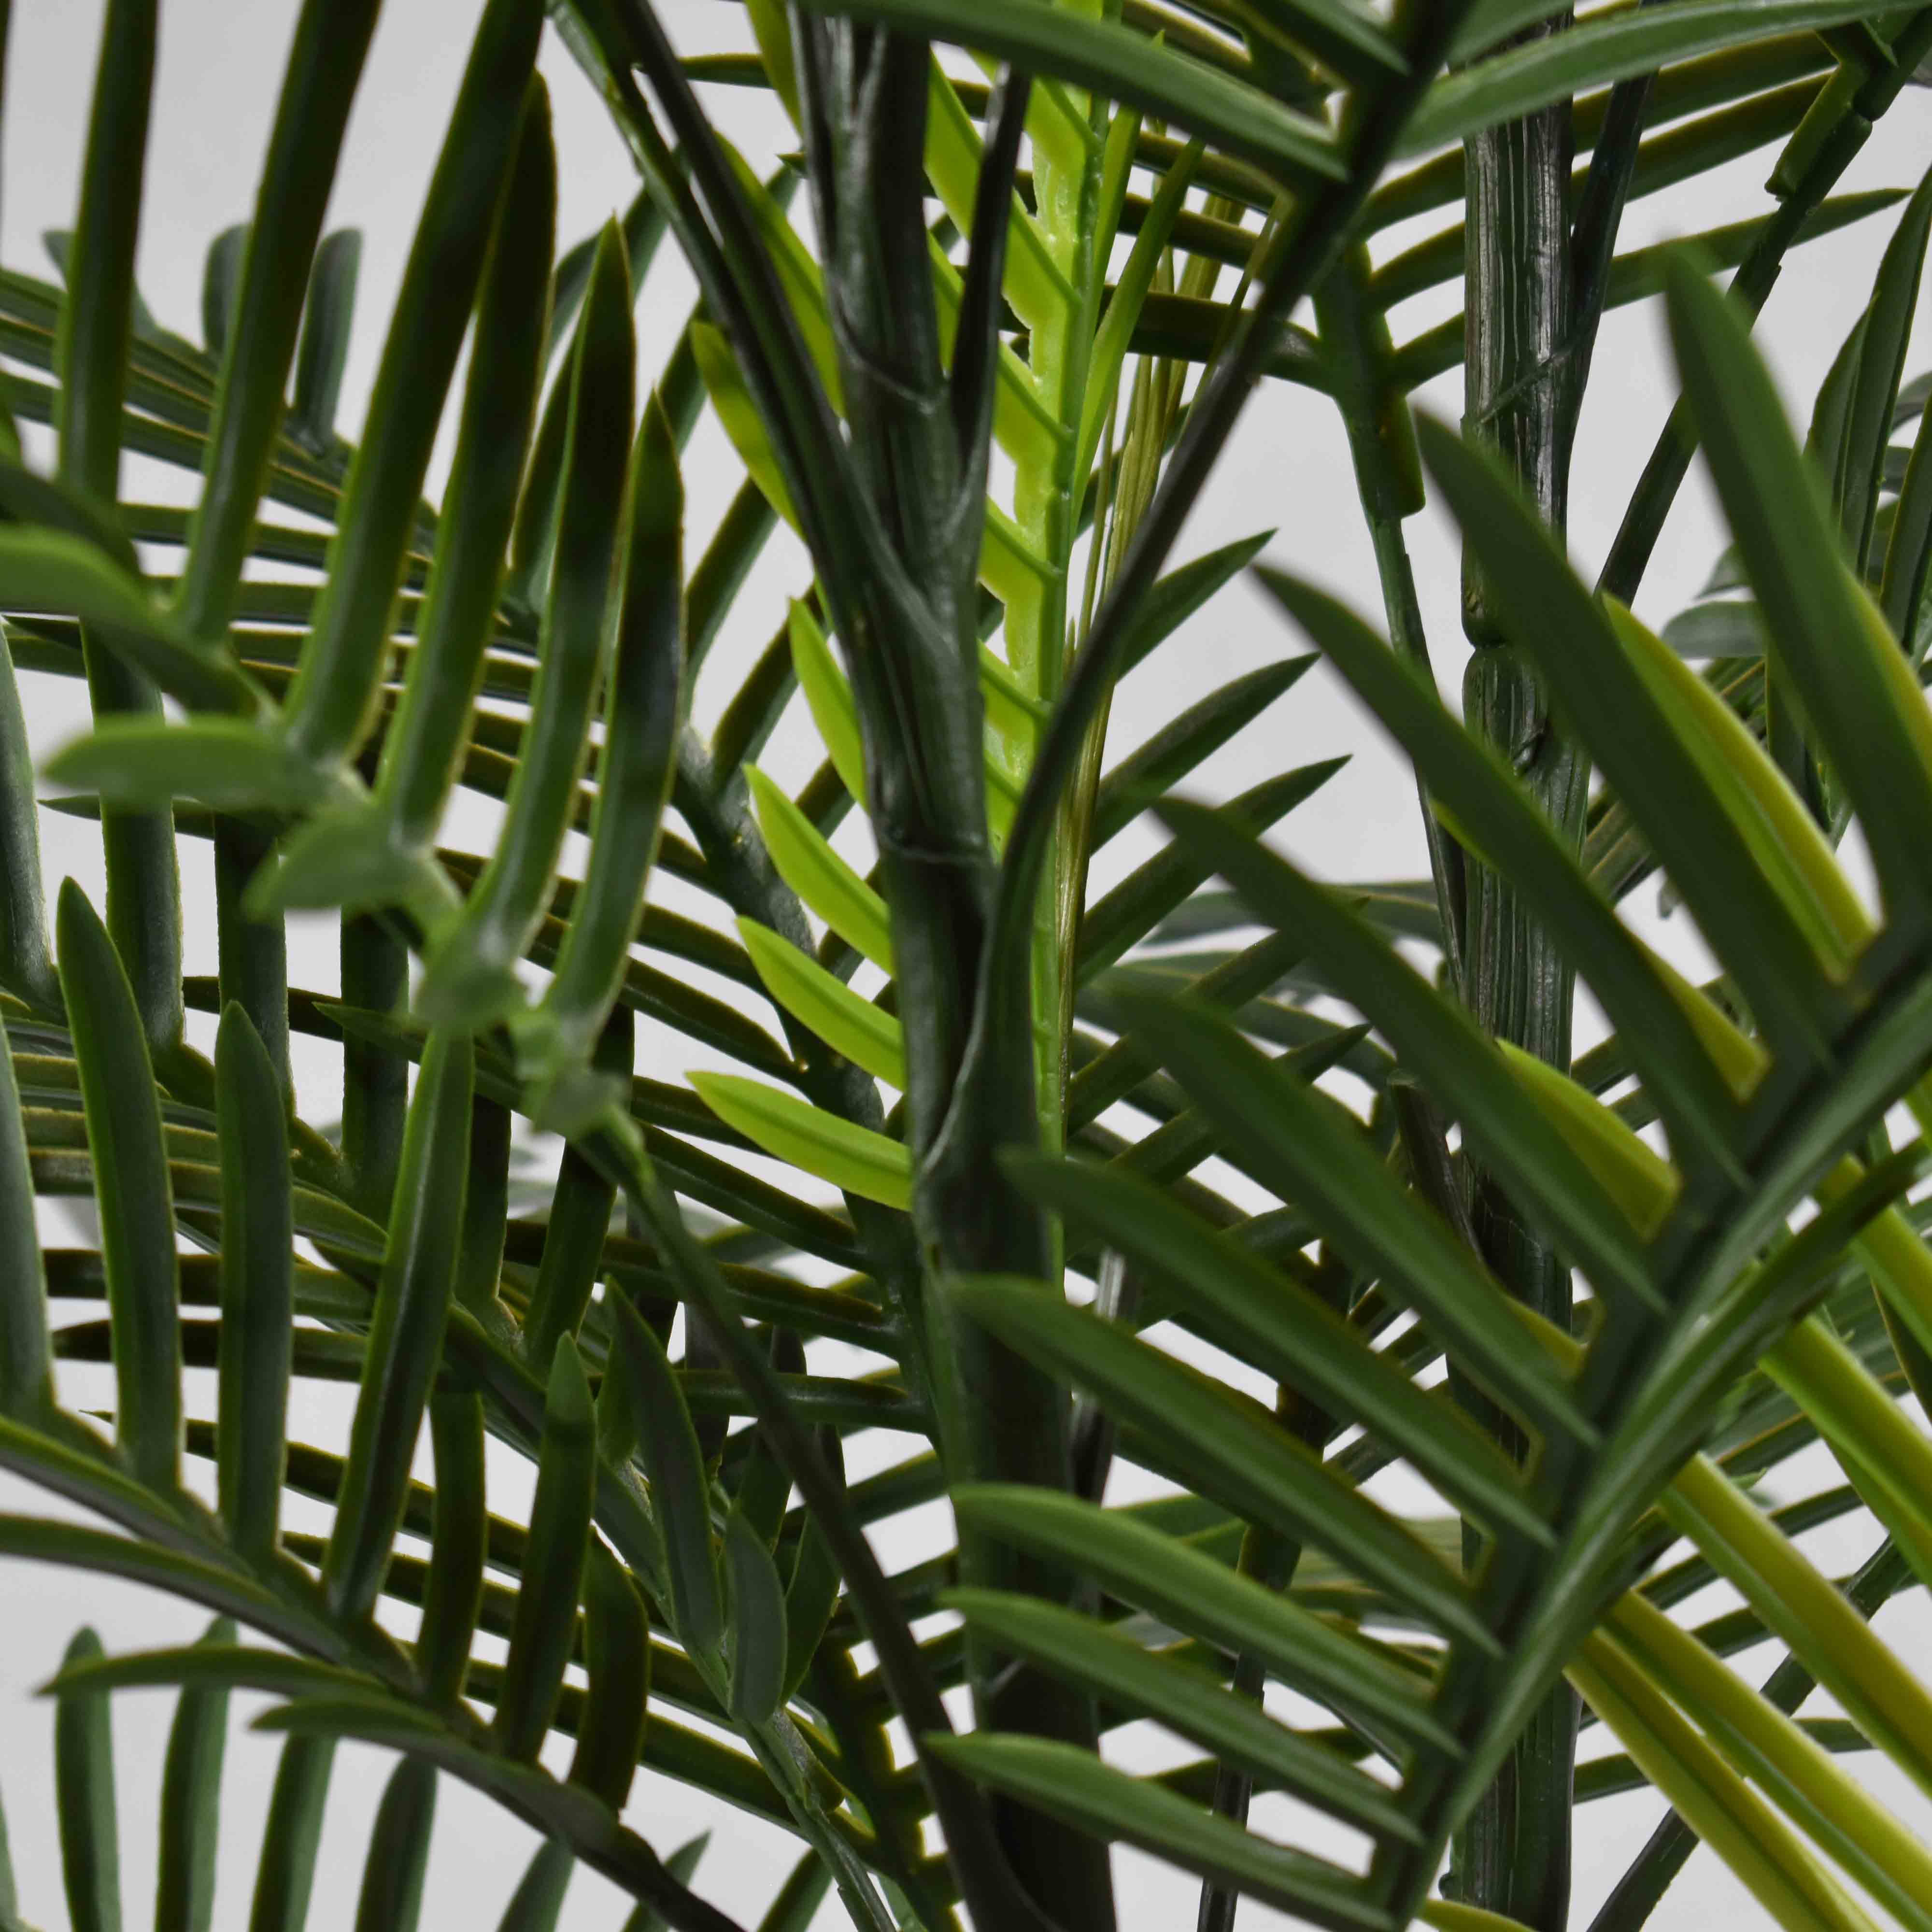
(1512, 1853)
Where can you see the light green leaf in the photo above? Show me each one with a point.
(851, 1157)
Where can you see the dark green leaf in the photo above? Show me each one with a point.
(643, 716)
(393, 1874)
(49, 572)
(1116, 61)
(537, 1900)
(406, 1331)
(1860, 697)
(331, 38)
(1127, 914)
(286, 1874)
(1510, 84)
(131, 1186)
(1677, 1071)
(97, 319)
(1221, 1444)
(546, 1622)
(1176, 596)
(1338, 1179)
(26, 1356)
(669, 1445)
(191, 1800)
(617, 1655)
(324, 346)
(1280, 1327)
(1187, 1700)
(84, 1799)
(1177, 749)
(812, 1594)
(799, 1897)
(471, 976)
(257, 1286)
(458, 1546)
(220, 284)
(425, 737)
(757, 1630)
(681, 1863)
(1069, 1784)
(327, 706)
(1887, 323)
(1623, 727)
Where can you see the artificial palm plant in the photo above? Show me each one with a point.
(1585, 1308)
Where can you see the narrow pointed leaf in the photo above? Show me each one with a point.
(864, 1034)
(26, 1353)
(851, 1157)
(617, 1654)
(669, 1446)
(257, 1286)
(1887, 323)
(1177, 749)
(819, 876)
(1510, 84)
(1622, 727)
(1819, 1627)
(757, 1630)
(423, 741)
(406, 1332)
(225, 762)
(470, 977)
(546, 1619)
(829, 697)
(323, 350)
(1690, 1091)
(97, 319)
(1859, 693)
(538, 1901)
(285, 1876)
(1131, 910)
(1284, 1329)
(1722, 1808)
(1186, 1700)
(84, 1801)
(398, 1861)
(1317, 1158)
(681, 1863)
(1232, 1451)
(332, 39)
(191, 1801)
(327, 706)
(1770, 1748)
(643, 715)
(1072, 1784)
(131, 1187)
(459, 1546)
(45, 572)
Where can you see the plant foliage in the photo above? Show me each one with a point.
(966, 1153)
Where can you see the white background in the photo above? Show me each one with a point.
(220, 67)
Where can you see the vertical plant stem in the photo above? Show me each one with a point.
(1513, 1852)
(1388, 480)
(908, 627)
